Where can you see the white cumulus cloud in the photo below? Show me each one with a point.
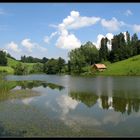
(32, 46)
(48, 38)
(75, 21)
(112, 25)
(25, 47)
(67, 41)
(28, 44)
(12, 46)
(136, 28)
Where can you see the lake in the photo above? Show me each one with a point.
(63, 105)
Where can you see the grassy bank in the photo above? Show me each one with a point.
(12, 63)
(6, 69)
(126, 67)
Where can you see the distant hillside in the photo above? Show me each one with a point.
(129, 66)
(126, 67)
(12, 63)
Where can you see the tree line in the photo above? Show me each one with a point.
(122, 48)
(52, 66)
(44, 65)
(30, 59)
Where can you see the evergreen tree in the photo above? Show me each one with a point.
(61, 63)
(3, 58)
(134, 43)
(69, 66)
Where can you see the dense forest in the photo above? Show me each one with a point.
(123, 47)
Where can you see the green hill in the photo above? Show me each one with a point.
(129, 66)
(12, 63)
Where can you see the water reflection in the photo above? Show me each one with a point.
(66, 103)
(22, 89)
(123, 104)
(84, 106)
(8, 85)
(87, 98)
(33, 84)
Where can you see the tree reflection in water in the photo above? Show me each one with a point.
(124, 104)
(8, 88)
(8, 85)
(33, 84)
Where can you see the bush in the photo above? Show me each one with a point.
(37, 68)
(21, 69)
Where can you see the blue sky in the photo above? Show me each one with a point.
(53, 29)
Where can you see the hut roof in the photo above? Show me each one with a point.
(100, 66)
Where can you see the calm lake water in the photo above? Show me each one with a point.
(52, 106)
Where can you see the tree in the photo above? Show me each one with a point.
(90, 53)
(51, 66)
(114, 54)
(121, 49)
(21, 69)
(134, 41)
(69, 66)
(77, 60)
(23, 58)
(44, 60)
(61, 64)
(129, 49)
(138, 47)
(37, 68)
(134, 38)
(84, 56)
(30, 59)
(3, 58)
(127, 38)
(103, 51)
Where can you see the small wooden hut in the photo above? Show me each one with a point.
(99, 67)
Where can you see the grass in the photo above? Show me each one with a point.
(6, 69)
(9, 69)
(12, 62)
(127, 67)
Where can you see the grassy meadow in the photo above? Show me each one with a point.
(12, 63)
(126, 67)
